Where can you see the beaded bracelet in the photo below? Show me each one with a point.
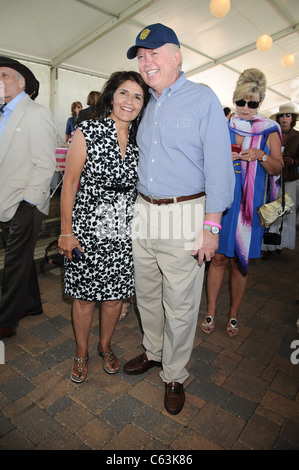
(208, 222)
(67, 235)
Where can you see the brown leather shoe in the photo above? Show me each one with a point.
(7, 332)
(140, 364)
(174, 397)
(39, 311)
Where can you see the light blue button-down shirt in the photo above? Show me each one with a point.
(8, 110)
(184, 146)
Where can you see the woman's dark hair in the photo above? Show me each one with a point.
(293, 122)
(104, 104)
(92, 98)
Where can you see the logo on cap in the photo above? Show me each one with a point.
(144, 34)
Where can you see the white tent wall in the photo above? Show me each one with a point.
(72, 86)
(68, 87)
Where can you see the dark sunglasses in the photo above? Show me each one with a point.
(284, 114)
(251, 104)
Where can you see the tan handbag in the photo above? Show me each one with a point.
(270, 212)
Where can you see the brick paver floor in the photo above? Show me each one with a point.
(242, 393)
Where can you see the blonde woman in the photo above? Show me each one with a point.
(241, 234)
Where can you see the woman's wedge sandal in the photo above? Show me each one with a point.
(232, 329)
(208, 325)
(81, 378)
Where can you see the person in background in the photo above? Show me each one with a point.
(96, 219)
(241, 235)
(286, 117)
(228, 113)
(27, 165)
(178, 187)
(91, 101)
(71, 122)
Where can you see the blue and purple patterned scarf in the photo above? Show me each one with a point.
(255, 132)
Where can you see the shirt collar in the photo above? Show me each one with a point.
(172, 88)
(11, 106)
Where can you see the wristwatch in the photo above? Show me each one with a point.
(211, 228)
(264, 158)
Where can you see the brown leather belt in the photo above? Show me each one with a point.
(171, 200)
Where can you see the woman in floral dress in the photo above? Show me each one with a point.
(96, 219)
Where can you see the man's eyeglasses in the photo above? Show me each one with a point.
(284, 114)
(250, 104)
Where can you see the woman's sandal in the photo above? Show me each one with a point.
(81, 378)
(112, 358)
(232, 329)
(124, 309)
(208, 325)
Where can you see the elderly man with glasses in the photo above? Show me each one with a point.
(27, 164)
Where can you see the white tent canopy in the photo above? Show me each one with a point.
(72, 46)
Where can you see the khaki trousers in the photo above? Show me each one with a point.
(168, 281)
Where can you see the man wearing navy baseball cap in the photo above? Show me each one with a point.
(152, 37)
(186, 180)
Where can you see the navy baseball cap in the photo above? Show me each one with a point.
(152, 37)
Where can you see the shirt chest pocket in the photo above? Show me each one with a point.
(178, 132)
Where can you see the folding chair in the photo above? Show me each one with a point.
(61, 153)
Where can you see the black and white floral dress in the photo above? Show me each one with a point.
(102, 215)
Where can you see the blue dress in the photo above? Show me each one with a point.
(227, 238)
(70, 125)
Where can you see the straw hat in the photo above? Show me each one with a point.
(32, 84)
(287, 108)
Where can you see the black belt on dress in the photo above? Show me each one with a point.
(172, 200)
(119, 189)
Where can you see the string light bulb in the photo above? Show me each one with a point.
(287, 60)
(264, 43)
(219, 8)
